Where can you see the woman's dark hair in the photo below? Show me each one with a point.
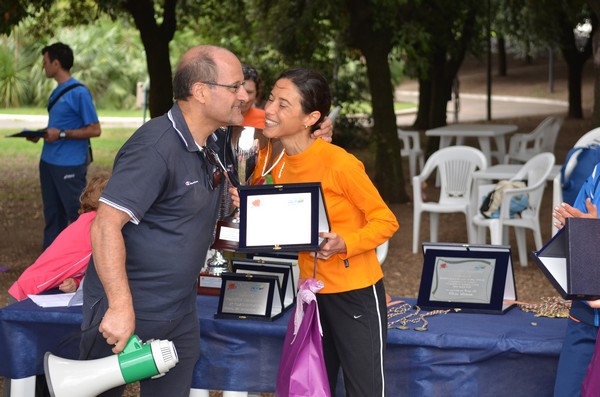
(314, 91)
(251, 74)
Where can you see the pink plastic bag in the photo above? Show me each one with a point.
(591, 383)
(301, 367)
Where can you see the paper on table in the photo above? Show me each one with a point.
(56, 300)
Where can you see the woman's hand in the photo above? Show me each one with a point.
(69, 285)
(332, 245)
(564, 211)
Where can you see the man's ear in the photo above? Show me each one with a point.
(198, 91)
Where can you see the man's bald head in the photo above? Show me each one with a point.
(200, 63)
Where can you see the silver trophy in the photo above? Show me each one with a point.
(245, 144)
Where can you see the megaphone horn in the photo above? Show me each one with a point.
(88, 378)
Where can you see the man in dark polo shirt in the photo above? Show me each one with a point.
(156, 219)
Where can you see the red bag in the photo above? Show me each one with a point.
(302, 367)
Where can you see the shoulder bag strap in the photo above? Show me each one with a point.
(63, 92)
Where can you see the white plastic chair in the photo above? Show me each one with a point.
(455, 166)
(534, 172)
(589, 138)
(382, 251)
(542, 139)
(411, 148)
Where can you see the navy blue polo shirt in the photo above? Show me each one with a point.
(160, 180)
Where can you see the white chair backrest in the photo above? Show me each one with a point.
(539, 132)
(535, 173)
(334, 113)
(551, 134)
(410, 141)
(455, 165)
(589, 138)
(382, 251)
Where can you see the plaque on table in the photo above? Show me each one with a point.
(286, 258)
(249, 297)
(570, 259)
(472, 278)
(282, 218)
(282, 270)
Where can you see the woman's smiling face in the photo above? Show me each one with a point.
(283, 111)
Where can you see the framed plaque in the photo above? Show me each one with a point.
(286, 217)
(472, 278)
(249, 297)
(281, 270)
(570, 259)
(291, 260)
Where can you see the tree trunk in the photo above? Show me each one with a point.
(575, 60)
(155, 39)
(501, 55)
(389, 178)
(422, 120)
(575, 73)
(375, 44)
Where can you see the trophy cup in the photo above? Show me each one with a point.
(244, 143)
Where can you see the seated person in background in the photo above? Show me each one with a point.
(253, 116)
(64, 262)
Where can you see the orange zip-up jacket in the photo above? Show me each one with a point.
(356, 212)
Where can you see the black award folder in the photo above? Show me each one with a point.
(472, 278)
(249, 297)
(571, 259)
(281, 270)
(284, 217)
(28, 134)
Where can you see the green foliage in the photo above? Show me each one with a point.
(109, 60)
(349, 134)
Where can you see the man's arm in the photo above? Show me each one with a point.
(108, 249)
(89, 131)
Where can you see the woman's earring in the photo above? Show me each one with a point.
(305, 127)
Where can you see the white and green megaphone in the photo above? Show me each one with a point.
(83, 378)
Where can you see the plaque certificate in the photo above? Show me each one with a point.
(286, 217)
(462, 280)
(250, 296)
(472, 278)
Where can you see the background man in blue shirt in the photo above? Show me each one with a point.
(72, 121)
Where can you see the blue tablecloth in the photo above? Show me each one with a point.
(460, 355)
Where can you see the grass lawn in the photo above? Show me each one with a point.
(17, 150)
(101, 112)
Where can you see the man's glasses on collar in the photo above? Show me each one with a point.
(214, 167)
(234, 88)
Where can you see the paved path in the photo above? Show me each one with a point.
(473, 107)
(21, 121)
